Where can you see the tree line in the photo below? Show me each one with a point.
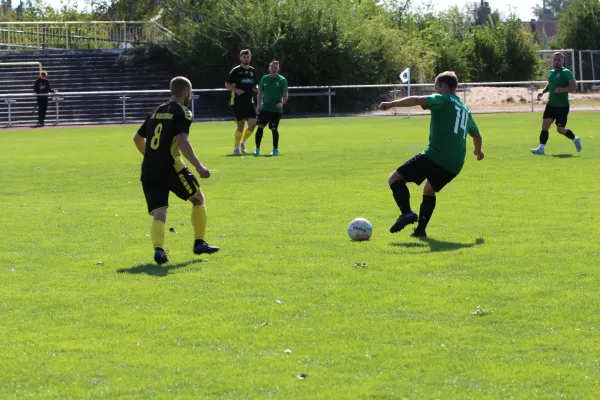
(331, 42)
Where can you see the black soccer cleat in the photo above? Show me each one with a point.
(160, 256)
(201, 247)
(419, 233)
(403, 220)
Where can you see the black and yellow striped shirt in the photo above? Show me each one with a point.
(160, 130)
(245, 79)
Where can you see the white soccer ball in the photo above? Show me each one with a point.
(360, 229)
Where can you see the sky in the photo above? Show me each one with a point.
(521, 7)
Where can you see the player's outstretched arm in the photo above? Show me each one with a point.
(478, 143)
(410, 101)
(188, 152)
(139, 143)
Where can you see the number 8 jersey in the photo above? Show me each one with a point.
(160, 129)
(451, 121)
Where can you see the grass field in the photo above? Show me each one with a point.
(501, 302)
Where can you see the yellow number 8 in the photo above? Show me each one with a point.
(155, 142)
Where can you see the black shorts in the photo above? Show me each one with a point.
(558, 114)
(243, 111)
(419, 168)
(183, 183)
(269, 118)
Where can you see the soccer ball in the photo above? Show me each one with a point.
(360, 229)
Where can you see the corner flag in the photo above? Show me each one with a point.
(405, 75)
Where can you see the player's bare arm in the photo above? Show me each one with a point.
(188, 152)
(410, 101)
(283, 100)
(259, 97)
(232, 88)
(569, 89)
(478, 143)
(544, 90)
(139, 143)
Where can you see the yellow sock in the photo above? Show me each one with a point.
(157, 233)
(247, 134)
(199, 219)
(238, 137)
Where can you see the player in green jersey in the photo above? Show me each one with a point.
(161, 139)
(560, 83)
(272, 95)
(443, 159)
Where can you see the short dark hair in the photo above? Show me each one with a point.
(179, 84)
(558, 53)
(44, 73)
(245, 52)
(448, 78)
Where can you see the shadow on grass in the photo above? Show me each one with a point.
(563, 155)
(438, 245)
(250, 155)
(155, 269)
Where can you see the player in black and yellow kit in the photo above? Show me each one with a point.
(160, 139)
(242, 85)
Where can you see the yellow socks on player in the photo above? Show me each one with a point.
(199, 219)
(157, 233)
(238, 138)
(247, 134)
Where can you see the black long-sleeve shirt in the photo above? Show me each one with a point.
(42, 86)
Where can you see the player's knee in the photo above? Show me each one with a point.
(428, 190)
(546, 123)
(561, 129)
(198, 199)
(394, 176)
(160, 214)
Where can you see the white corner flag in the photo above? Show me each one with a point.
(405, 77)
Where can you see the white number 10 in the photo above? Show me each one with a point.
(461, 118)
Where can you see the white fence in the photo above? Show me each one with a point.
(132, 106)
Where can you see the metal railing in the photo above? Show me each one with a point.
(81, 35)
(133, 105)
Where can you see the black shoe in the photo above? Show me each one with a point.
(201, 247)
(160, 256)
(403, 220)
(419, 233)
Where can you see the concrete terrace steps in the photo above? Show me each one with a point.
(78, 71)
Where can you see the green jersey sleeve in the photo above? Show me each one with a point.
(261, 84)
(435, 102)
(285, 85)
(472, 128)
(569, 75)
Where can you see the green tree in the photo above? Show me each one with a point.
(503, 51)
(448, 33)
(552, 10)
(579, 26)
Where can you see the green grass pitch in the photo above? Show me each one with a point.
(501, 302)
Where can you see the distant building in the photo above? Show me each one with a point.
(536, 27)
